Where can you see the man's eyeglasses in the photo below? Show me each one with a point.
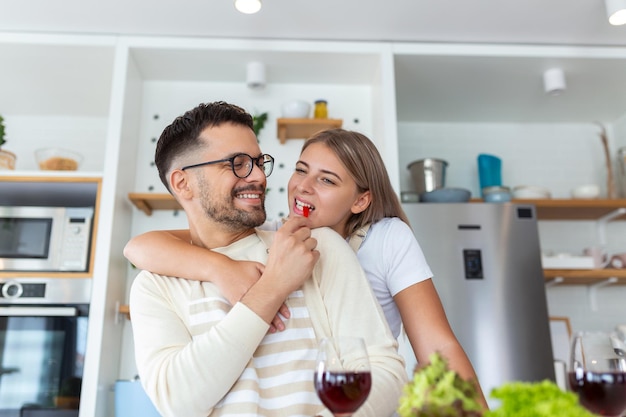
(242, 164)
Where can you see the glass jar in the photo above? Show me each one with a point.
(321, 109)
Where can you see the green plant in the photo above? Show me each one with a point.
(258, 122)
(2, 140)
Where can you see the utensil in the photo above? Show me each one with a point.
(428, 174)
(597, 372)
(342, 376)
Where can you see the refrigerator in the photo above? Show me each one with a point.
(486, 264)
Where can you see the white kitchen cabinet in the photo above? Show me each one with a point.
(109, 97)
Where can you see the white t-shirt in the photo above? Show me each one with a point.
(392, 260)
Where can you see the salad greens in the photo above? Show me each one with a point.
(539, 399)
(436, 391)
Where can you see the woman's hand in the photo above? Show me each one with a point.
(238, 279)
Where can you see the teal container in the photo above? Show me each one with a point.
(489, 171)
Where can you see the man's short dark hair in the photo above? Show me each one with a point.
(181, 136)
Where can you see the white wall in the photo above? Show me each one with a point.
(85, 135)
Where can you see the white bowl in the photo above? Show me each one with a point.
(588, 191)
(296, 109)
(530, 192)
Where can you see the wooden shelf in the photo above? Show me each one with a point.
(303, 128)
(148, 202)
(549, 209)
(125, 310)
(572, 209)
(585, 276)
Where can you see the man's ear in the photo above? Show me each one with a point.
(361, 203)
(179, 183)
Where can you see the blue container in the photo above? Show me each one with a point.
(132, 401)
(489, 171)
(496, 194)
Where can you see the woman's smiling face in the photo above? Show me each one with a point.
(322, 183)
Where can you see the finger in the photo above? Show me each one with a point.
(284, 311)
(278, 324)
(294, 223)
(310, 243)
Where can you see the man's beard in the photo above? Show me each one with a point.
(226, 213)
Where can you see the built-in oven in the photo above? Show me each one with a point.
(43, 336)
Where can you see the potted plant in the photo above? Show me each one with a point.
(7, 159)
(258, 123)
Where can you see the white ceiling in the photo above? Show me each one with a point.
(456, 88)
(571, 22)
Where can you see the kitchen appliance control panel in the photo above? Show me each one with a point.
(473, 264)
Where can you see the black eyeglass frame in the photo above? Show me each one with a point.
(259, 161)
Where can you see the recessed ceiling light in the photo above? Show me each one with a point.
(248, 6)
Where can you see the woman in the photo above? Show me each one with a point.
(340, 181)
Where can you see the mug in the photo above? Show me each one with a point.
(618, 261)
(599, 255)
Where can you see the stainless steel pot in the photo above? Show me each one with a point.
(428, 174)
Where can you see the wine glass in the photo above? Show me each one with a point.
(597, 372)
(342, 374)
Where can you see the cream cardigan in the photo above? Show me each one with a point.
(186, 373)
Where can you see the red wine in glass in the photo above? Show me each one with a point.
(343, 392)
(602, 393)
(342, 377)
(597, 372)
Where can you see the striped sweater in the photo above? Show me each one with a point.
(199, 356)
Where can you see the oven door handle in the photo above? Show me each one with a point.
(39, 311)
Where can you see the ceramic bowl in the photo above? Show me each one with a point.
(57, 159)
(496, 194)
(530, 192)
(446, 195)
(588, 191)
(297, 109)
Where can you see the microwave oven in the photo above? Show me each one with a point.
(45, 239)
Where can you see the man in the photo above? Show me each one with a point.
(196, 354)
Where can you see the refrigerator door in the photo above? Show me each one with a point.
(486, 262)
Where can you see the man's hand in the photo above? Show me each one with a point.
(292, 257)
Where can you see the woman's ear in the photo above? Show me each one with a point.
(362, 202)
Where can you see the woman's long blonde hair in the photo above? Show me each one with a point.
(364, 163)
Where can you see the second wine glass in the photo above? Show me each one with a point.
(343, 378)
(597, 372)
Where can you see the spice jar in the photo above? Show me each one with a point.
(321, 109)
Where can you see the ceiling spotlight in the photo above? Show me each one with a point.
(248, 6)
(554, 81)
(616, 11)
(255, 75)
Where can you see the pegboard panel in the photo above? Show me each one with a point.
(164, 101)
